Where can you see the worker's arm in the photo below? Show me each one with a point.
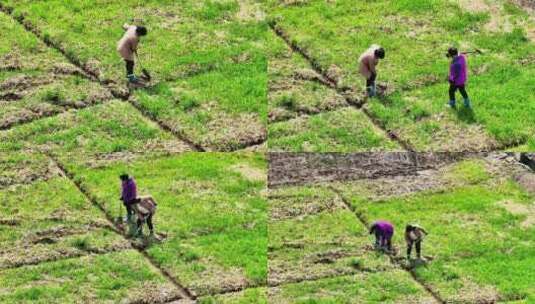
(372, 229)
(371, 67)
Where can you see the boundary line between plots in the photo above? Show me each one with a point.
(183, 290)
(91, 252)
(67, 108)
(333, 85)
(29, 27)
(365, 223)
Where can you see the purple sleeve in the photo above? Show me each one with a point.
(129, 191)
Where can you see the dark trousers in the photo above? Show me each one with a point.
(371, 81)
(129, 67)
(454, 88)
(128, 206)
(383, 240)
(418, 245)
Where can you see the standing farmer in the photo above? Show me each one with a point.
(367, 63)
(383, 231)
(127, 47)
(458, 76)
(128, 194)
(414, 235)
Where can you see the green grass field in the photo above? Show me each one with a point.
(479, 214)
(59, 233)
(207, 60)
(416, 35)
(237, 84)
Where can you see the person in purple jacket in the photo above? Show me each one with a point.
(128, 194)
(458, 76)
(383, 231)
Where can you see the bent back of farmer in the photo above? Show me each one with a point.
(414, 235)
(368, 62)
(128, 194)
(383, 231)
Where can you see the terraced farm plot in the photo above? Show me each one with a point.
(210, 208)
(332, 35)
(103, 129)
(307, 114)
(57, 247)
(319, 252)
(206, 57)
(36, 81)
(479, 213)
(60, 216)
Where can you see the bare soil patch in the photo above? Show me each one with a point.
(25, 172)
(520, 209)
(498, 21)
(153, 293)
(454, 137)
(250, 11)
(250, 173)
(297, 207)
(217, 279)
(51, 250)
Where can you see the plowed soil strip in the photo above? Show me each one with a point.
(183, 290)
(308, 113)
(23, 121)
(94, 77)
(366, 224)
(334, 85)
(67, 256)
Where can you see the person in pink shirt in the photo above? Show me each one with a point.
(368, 62)
(127, 48)
(457, 77)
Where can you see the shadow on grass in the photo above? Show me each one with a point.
(466, 115)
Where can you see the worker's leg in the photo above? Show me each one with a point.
(452, 90)
(465, 96)
(377, 239)
(370, 85)
(409, 249)
(130, 71)
(139, 226)
(418, 249)
(129, 67)
(129, 211)
(149, 223)
(389, 243)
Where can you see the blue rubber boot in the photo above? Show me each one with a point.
(451, 104)
(132, 78)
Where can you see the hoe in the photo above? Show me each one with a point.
(144, 71)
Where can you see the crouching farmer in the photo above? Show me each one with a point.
(457, 77)
(368, 62)
(145, 208)
(383, 231)
(127, 47)
(414, 235)
(128, 195)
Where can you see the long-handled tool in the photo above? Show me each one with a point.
(143, 70)
(475, 51)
